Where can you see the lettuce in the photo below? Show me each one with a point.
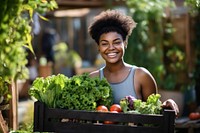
(133, 105)
(79, 92)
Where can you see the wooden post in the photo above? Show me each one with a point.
(188, 45)
(13, 111)
(3, 125)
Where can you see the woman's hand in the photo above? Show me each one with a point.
(172, 105)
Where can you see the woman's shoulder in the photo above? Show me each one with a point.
(142, 71)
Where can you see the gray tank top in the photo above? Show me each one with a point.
(124, 88)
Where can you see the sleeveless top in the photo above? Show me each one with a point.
(123, 88)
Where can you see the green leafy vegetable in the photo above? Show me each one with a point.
(48, 89)
(151, 106)
(79, 92)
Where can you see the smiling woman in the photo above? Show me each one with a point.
(111, 30)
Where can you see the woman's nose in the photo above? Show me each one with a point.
(111, 46)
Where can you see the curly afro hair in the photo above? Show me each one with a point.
(111, 21)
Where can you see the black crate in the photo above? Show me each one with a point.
(78, 121)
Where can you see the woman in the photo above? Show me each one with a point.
(111, 30)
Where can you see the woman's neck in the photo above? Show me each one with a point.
(115, 73)
(112, 68)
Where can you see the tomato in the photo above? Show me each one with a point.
(110, 122)
(116, 107)
(114, 111)
(194, 116)
(102, 108)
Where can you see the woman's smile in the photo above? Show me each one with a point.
(112, 55)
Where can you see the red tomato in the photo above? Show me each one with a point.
(194, 116)
(114, 111)
(102, 108)
(110, 122)
(116, 107)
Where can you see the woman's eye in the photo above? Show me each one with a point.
(117, 43)
(104, 44)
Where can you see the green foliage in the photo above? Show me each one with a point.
(145, 43)
(175, 77)
(3, 90)
(177, 58)
(48, 89)
(194, 9)
(151, 106)
(15, 35)
(151, 44)
(65, 56)
(4, 94)
(79, 92)
(193, 5)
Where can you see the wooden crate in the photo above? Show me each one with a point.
(51, 120)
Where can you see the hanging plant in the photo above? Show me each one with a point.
(16, 35)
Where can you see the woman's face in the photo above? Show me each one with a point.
(111, 47)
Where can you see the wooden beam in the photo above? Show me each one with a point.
(188, 45)
(63, 4)
(13, 111)
(3, 125)
(81, 3)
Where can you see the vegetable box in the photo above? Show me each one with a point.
(79, 121)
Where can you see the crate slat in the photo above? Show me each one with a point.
(79, 121)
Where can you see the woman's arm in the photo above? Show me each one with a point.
(146, 84)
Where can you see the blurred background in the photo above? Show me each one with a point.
(165, 41)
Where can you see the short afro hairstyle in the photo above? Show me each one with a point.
(111, 21)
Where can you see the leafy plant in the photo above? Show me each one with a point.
(16, 37)
(193, 5)
(175, 65)
(79, 92)
(65, 56)
(151, 106)
(4, 94)
(194, 9)
(146, 42)
(151, 44)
